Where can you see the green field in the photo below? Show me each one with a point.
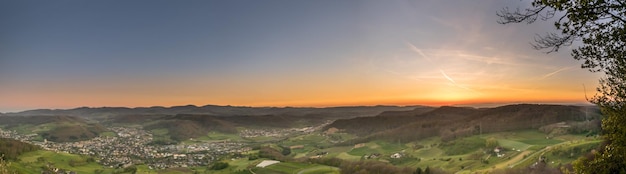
(32, 162)
(569, 152)
(320, 170)
(308, 139)
(243, 165)
(381, 147)
(347, 156)
(263, 139)
(467, 154)
(215, 136)
(512, 144)
(361, 151)
(300, 168)
(463, 145)
(562, 153)
(239, 165)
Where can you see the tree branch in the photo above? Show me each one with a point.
(616, 17)
(516, 17)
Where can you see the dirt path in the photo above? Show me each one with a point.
(512, 160)
(520, 157)
(506, 164)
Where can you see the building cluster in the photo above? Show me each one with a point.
(133, 146)
(250, 133)
(16, 136)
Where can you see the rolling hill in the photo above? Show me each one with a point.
(453, 122)
(11, 149)
(214, 110)
(53, 128)
(183, 122)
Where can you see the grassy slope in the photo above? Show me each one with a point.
(456, 155)
(29, 164)
(242, 164)
(450, 156)
(288, 167)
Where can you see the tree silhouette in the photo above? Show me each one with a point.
(599, 26)
(418, 170)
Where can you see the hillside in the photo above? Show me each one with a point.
(453, 122)
(184, 126)
(53, 128)
(11, 149)
(183, 122)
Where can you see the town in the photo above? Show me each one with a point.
(133, 146)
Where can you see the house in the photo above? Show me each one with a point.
(498, 149)
(372, 156)
(359, 145)
(396, 155)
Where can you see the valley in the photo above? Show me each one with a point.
(381, 139)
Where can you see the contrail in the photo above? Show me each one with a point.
(555, 72)
(454, 82)
(418, 51)
(447, 77)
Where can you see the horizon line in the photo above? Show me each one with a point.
(474, 105)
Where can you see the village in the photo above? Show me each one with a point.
(132, 146)
(127, 146)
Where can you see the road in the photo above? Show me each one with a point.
(513, 160)
(530, 155)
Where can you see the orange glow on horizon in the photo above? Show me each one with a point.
(70, 102)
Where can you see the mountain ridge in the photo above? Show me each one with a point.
(216, 110)
(453, 122)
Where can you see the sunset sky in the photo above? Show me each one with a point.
(67, 54)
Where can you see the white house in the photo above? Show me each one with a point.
(396, 155)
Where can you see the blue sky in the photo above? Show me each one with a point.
(64, 54)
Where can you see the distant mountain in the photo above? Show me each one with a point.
(452, 122)
(368, 122)
(103, 112)
(184, 122)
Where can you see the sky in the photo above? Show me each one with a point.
(71, 53)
